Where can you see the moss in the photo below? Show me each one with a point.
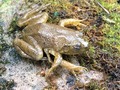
(6, 85)
(96, 86)
(112, 31)
(57, 9)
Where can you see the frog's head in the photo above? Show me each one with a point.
(73, 45)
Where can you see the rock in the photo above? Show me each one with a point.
(2, 69)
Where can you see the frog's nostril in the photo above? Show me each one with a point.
(77, 47)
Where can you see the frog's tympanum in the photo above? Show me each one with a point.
(39, 36)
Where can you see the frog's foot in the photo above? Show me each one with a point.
(55, 63)
(28, 50)
(33, 16)
(74, 69)
(72, 22)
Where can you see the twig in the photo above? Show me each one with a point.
(102, 7)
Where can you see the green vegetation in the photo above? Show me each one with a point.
(112, 31)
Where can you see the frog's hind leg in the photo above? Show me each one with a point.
(72, 22)
(27, 50)
(33, 16)
(23, 54)
(34, 11)
(55, 63)
(38, 18)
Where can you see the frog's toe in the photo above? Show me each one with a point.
(84, 69)
(74, 69)
(47, 74)
(80, 69)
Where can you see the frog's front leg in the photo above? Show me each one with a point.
(28, 50)
(55, 63)
(48, 55)
(74, 69)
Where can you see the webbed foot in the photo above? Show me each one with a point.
(74, 69)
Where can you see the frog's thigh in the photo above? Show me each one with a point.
(57, 61)
(27, 50)
(22, 53)
(41, 18)
(34, 11)
(37, 18)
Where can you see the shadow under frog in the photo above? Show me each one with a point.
(38, 37)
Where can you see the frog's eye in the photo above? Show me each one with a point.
(77, 47)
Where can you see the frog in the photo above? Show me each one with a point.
(39, 37)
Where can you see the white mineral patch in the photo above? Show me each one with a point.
(23, 73)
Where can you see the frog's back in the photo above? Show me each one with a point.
(49, 35)
(44, 28)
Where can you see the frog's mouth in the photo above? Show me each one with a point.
(73, 49)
